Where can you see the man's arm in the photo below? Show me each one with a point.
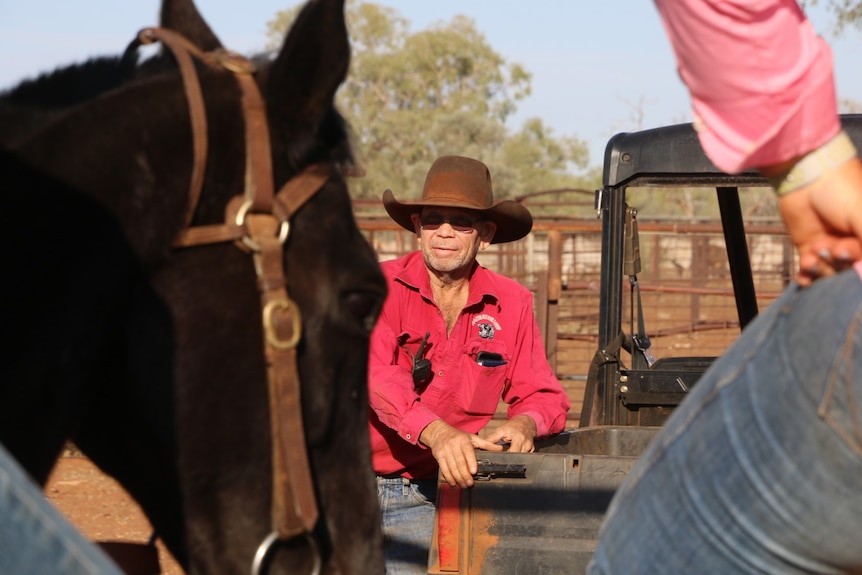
(390, 386)
(538, 404)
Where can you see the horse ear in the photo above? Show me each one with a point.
(312, 63)
(182, 16)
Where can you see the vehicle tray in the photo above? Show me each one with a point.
(542, 513)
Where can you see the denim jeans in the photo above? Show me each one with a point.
(35, 537)
(759, 470)
(408, 508)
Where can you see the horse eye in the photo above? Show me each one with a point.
(364, 306)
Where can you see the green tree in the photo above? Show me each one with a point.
(849, 106)
(411, 97)
(847, 12)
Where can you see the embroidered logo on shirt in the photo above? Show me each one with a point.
(487, 325)
(486, 330)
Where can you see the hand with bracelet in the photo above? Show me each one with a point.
(823, 208)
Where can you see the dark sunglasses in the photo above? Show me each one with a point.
(421, 366)
(459, 222)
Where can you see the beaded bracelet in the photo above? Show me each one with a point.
(815, 164)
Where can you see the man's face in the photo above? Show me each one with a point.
(450, 238)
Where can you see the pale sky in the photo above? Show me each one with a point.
(594, 64)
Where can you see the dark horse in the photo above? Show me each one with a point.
(151, 357)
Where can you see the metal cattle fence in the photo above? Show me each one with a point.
(685, 283)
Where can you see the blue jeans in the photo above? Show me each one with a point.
(35, 537)
(408, 508)
(759, 470)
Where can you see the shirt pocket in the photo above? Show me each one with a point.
(484, 382)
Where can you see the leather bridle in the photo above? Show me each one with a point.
(259, 222)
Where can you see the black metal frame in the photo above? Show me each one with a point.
(667, 156)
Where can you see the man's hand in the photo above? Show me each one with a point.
(518, 432)
(824, 220)
(455, 451)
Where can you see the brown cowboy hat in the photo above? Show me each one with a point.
(459, 182)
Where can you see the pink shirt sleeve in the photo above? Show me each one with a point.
(760, 79)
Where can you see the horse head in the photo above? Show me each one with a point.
(164, 345)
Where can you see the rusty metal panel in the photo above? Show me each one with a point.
(545, 522)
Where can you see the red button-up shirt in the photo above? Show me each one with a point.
(498, 318)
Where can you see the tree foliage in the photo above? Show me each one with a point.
(413, 96)
(847, 13)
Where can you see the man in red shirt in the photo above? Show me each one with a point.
(452, 339)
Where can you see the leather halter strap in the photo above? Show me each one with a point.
(261, 221)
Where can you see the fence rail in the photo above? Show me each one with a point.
(685, 283)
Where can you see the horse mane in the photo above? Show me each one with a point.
(73, 84)
(37, 102)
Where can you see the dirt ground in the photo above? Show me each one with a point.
(100, 508)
